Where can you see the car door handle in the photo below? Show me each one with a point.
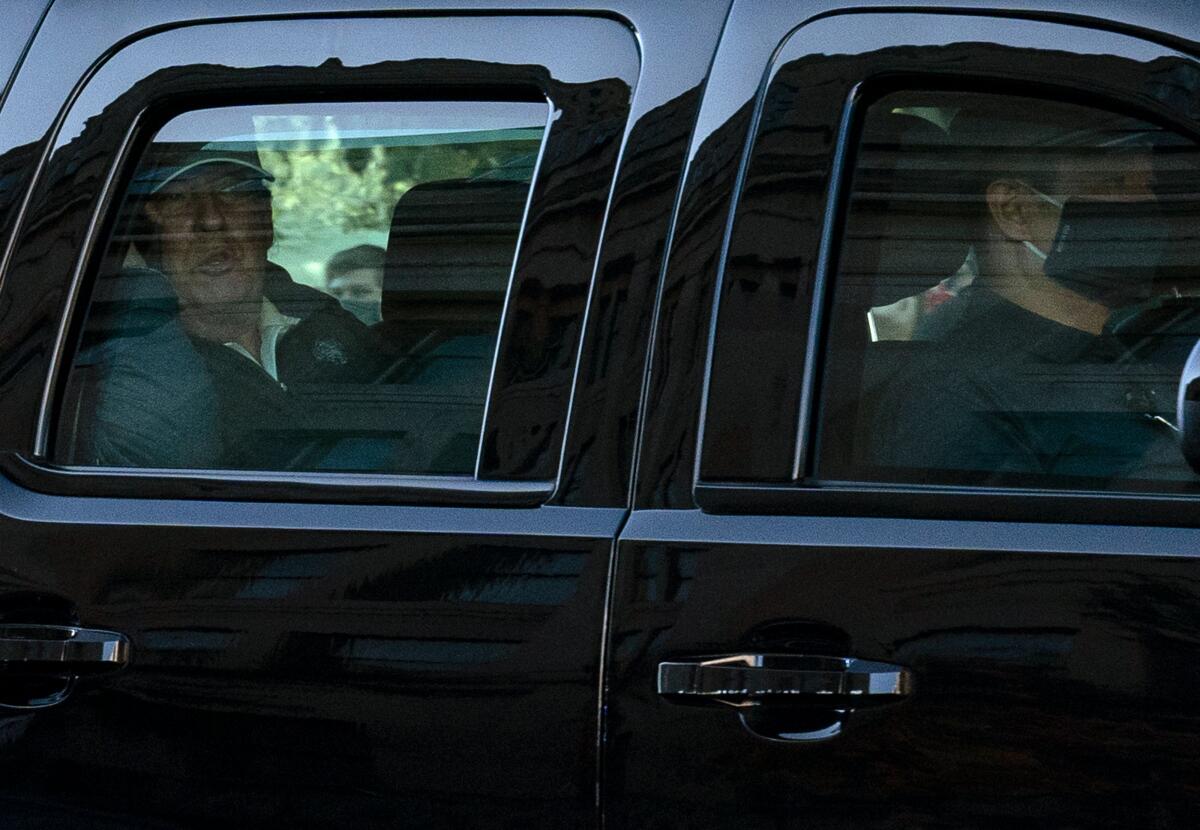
(61, 650)
(745, 680)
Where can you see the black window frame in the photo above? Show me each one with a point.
(948, 65)
(115, 112)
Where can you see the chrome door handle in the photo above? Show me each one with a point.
(745, 680)
(61, 650)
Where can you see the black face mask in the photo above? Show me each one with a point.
(1110, 252)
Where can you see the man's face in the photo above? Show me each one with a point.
(358, 291)
(214, 231)
(358, 285)
(1115, 177)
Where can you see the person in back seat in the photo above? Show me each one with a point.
(248, 332)
(355, 277)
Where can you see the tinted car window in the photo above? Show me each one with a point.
(1016, 295)
(305, 287)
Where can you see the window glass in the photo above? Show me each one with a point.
(305, 287)
(1016, 295)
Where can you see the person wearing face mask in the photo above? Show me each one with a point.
(355, 277)
(1023, 374)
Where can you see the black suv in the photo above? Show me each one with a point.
(501, 413)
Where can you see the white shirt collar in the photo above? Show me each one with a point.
(272, 324)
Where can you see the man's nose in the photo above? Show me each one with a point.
(208, 213)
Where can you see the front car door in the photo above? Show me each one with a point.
(1002, 638)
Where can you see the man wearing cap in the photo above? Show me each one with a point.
(253, 336)
(213, 223)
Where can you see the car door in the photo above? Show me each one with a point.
(800, 639)
(398, 645)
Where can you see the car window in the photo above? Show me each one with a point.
(1016, 293)
(304, 287)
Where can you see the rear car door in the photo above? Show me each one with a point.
(806, 633)
(344, 640)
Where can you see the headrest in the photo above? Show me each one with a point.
(451, 249)
(913, 222)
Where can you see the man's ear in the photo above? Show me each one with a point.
(1011, 209)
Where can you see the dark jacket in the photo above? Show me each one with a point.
(167, 400)
(1004, 396)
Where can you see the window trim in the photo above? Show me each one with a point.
(237, 485)
(928, 501)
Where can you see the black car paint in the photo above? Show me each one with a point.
(386, 653)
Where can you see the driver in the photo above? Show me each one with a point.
(1022, 376)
